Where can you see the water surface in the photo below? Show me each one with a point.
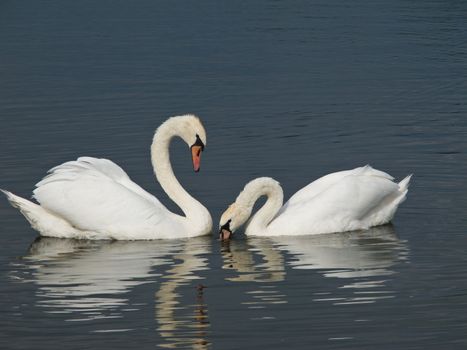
(292, 90)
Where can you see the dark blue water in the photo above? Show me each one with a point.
(292, 90)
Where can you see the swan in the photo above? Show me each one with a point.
(343, 201)
(93, 198)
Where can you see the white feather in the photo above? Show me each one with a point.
(342, 201)
(95, 199)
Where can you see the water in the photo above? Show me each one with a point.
(292, 90)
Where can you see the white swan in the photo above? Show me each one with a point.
(342, 201)
(94, 198)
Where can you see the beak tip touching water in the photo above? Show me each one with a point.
(224, 231)
(225, 234)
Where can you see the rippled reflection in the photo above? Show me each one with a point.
(91, 277)
(184, 325)
(89, 280)
(363, 259)
(346, 255)
(256, 263)
(239, 257)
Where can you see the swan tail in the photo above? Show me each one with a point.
(40, 219)
(30, 210)
(404, 184)
(18, 202)
(403, 189)
(386, 210)
(399, 198)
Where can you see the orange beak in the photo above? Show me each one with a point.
(196, 156)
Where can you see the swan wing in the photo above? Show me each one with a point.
(357, 200)
(96, 167)
(325, 182)
(97, 195)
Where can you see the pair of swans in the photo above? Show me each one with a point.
(93, 198)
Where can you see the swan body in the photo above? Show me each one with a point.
(94, 198)
(343, 201)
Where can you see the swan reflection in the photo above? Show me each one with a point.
(91, 277)
(189, 328)
(239, 256)
(252, 263)
(362, 258)
(346, 255)
(89, 280)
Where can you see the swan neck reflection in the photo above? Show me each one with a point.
(90, 280)
(361, 258)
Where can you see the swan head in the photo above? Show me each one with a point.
(190, 129)
(233, 218)
(194, 135)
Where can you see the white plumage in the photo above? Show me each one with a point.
(95, 199)
(342, 201)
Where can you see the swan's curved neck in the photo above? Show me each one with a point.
(252, 192)
(193, 210)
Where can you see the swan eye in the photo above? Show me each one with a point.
(226, 226)
(198, 142)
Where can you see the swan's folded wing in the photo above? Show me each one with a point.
(97, 167)
(325, 182)
(354, 197)
(344, 206)
(96, 194)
